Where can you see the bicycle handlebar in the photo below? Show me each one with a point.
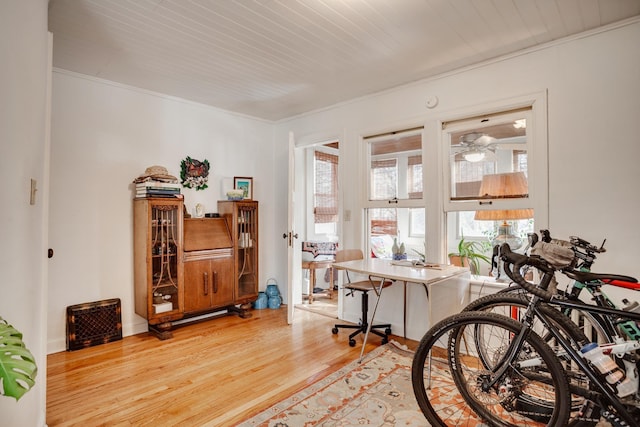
(583, 250)
(574, 242)
(514, 262)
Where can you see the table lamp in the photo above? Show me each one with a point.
(502, 186)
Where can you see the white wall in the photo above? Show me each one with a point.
(593, 126)
(103, 136)
(23, 142)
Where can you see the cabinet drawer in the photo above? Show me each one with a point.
(208, 254)
(206, 233)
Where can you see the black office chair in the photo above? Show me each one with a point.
(364, 286)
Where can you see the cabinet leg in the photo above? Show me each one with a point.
(243, 310)
(162, 330)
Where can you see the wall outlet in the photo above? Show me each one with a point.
(347, 215)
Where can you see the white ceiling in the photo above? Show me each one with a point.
(274, 59)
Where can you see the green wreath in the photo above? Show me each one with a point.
(194, 173)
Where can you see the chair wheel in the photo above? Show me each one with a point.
(352, 342)
(334, 330)
(387, 331)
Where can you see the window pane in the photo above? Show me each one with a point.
(383, 221)
(407, 225)
(395, 165)
(416, 223)
(384, 179)
(489, 162)
(326, 188)
(326, 228)
(414, 177)
(465, 223)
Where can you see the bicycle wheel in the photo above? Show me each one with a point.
(451, 392)
(584, 413)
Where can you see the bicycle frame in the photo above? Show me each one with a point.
(603, 387)
(629, 327)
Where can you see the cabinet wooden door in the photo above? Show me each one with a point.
(222, 283)
(197, 286)
(208, 284)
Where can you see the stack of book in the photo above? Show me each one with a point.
(157, 189)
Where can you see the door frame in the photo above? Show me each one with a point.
(298, 147)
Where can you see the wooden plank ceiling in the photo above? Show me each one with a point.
(274, 59)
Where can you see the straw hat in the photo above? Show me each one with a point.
(156, 172)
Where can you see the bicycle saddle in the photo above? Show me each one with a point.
(610, 279)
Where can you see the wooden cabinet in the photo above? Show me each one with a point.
(158, 267)
(242, 218)
(208, 265)
(187, 267)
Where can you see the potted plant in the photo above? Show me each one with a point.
(469, 254)
(17, 365)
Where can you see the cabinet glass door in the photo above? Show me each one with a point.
(247, 250)
(164, 257)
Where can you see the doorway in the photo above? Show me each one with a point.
(318, 178)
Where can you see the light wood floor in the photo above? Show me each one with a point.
(214, 373)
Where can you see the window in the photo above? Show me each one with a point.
(384, 179)
(487, 197)
(414, 177)
(395, 165)
(407, 225)
(395, 207)
(479, 149)
(325, 198)
(325, 190)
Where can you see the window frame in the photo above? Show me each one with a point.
(478, 123)
(309, 190)
(394, 203)
(435, 171)
(333, 160)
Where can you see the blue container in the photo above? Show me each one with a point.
(274, 302)
(273, 294)
(261, 302)
(272, 288)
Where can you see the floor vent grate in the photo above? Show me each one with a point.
(93, 323)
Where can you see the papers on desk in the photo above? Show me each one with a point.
(419, 264)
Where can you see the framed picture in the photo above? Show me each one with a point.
(244, 183)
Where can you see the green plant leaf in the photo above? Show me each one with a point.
(473, 251)
(18, 368)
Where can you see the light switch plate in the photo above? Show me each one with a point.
(32, 196)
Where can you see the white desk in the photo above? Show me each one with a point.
(440, 303)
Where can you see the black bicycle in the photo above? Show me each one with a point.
(489, 367)
(514, 303)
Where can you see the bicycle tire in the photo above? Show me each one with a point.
(463, 408)
(505, 303)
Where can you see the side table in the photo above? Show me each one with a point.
(312, 266)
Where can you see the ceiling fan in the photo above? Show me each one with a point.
(475, 146)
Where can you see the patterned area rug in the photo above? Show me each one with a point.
(376, 392)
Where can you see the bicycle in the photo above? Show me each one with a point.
(508, 373)
(584, 254)
(513, 303)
